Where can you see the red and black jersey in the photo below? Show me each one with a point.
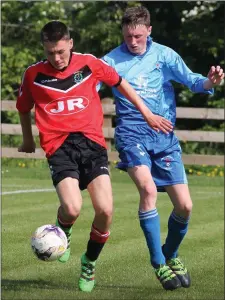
(66, 101)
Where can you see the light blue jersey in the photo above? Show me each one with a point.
(150, 75)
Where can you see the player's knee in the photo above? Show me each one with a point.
(149, 193)
(72, 212)
(186, 209)
(148, 197)
(105, 214)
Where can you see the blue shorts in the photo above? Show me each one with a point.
(140, 145)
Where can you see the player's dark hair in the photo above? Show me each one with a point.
(54, 31)
(134, 16)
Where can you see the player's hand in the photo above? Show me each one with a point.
(215, 75)
(159, 123)
(27, 147)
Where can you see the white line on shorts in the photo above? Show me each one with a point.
(28, 191)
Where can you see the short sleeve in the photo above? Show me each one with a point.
(103, 72)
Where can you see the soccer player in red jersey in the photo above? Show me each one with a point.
(69, 117)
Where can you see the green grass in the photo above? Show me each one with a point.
(123, 270)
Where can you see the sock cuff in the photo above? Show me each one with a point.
(179, 219)
(147, 214)
(63, 223)
(98, 236)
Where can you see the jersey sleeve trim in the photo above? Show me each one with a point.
(119, 82)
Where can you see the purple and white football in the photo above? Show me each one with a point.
(49, 242)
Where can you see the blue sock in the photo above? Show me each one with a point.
(177, 228)
(149, 221)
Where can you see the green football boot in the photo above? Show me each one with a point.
(167, 278)
(180, 270)
(87, 277)
(68, 231)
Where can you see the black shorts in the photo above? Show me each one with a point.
(78, 157)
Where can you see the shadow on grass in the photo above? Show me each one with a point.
(19, 285)
(127, 291)
(125, 287)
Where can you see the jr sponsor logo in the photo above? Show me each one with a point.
(67, 105)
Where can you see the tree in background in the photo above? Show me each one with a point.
(21, 25)
(194, 29)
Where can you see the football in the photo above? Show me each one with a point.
(49, 242)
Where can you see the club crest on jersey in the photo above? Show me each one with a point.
(78, 77)
(167, 160)
(158, 65)
(67, 105)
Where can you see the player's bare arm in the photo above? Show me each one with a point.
(215, 76)
(155, 121)
(28, 144)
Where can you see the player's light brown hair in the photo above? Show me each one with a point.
(134, 16)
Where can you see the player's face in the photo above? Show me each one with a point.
(58, 53)
(136, 38)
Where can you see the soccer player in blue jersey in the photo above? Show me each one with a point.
(151, 158)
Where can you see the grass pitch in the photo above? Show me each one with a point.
(123, 270)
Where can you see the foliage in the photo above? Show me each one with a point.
(16, 140)
(206, 148)
(194, 29)
(95, 27)
(204, 170)
(23, 163)
(21, 25)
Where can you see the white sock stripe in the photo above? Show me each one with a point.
(140, 213)
(179, 219)
(148, 217)
(99, 233)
